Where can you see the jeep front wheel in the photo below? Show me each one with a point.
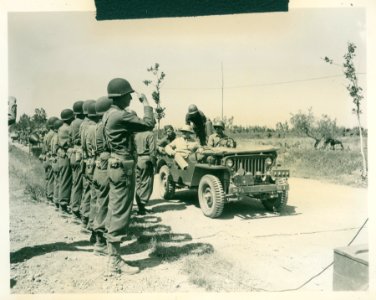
(276, 204)
(211, 196)
(167, 185)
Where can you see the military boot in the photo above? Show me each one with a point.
(64, 211)
(116, 264)
(93, 237)
(84, 228)
(100, 247)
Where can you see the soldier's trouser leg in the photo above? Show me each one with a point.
(55, 171)
(86, 197)
(102, 188)
(93, 197)
(202, 137)
(144, 181)
(65, 178)
(122, 184)
(77, 169)
(49, 180)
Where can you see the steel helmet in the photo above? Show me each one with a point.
(102, 105)
(57, 124)
(91, 112)
(192, 109)
(186, 128)
(77, 107)
(118, 87)
(67, 114)
(50, 122)
(86, 105)
(219, 124)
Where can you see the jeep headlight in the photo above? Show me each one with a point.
(229, 163)
(268, 162)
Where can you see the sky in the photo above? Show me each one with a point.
(272, 62)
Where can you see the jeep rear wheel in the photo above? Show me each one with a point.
(211, 196)
(166, 184)
(276, 204)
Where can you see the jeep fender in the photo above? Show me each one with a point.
(221, 172)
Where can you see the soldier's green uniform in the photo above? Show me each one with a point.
(100, 178)
(146, 159)
(89, 147)
(65, 172)
(54, 163)
(46, 160)
(76, 161)
(119, 127)
(86, 192)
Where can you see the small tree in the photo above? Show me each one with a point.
(39, 118)
(355, 92)
(24, 123)
(156, 94)
(306, 123)
(282, 128)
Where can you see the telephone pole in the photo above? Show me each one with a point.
(222, 87)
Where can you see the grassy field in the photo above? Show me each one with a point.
(29, 171)
(298, 155)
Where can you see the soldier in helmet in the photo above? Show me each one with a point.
(86, 192)
(219, 138)
(46, 159)
(76, 160)
(54, 161)
(197, 120)
(65, 171)
(100, 178)
(119, 126)
(89, 146)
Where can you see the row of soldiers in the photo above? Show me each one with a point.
(90, 159)
(99, 156)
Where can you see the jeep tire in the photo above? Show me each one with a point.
(277, 204)
(211, 196)
(166, 184)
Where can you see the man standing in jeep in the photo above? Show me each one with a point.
(197, 120)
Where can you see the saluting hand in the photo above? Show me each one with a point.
(143, 99)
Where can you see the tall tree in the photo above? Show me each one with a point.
(355, 92)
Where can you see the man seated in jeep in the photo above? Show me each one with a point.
(181, 147)
(170, 136)
(219, 138)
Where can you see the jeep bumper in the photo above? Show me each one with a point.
(256, 189)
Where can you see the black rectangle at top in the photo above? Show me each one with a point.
(144, 9)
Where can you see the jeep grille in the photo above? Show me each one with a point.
(251, 163)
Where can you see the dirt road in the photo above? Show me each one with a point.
(50, 255)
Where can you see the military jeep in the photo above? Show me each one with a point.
(222, 175)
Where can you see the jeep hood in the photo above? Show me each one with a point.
(240, 150)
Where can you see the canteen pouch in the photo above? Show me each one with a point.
(61, 153)
(78, 155)
(102, 160)
(90, 166)
(128, 166)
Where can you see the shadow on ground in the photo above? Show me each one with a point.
(247, 208)
(164, 245)
(37, 250)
